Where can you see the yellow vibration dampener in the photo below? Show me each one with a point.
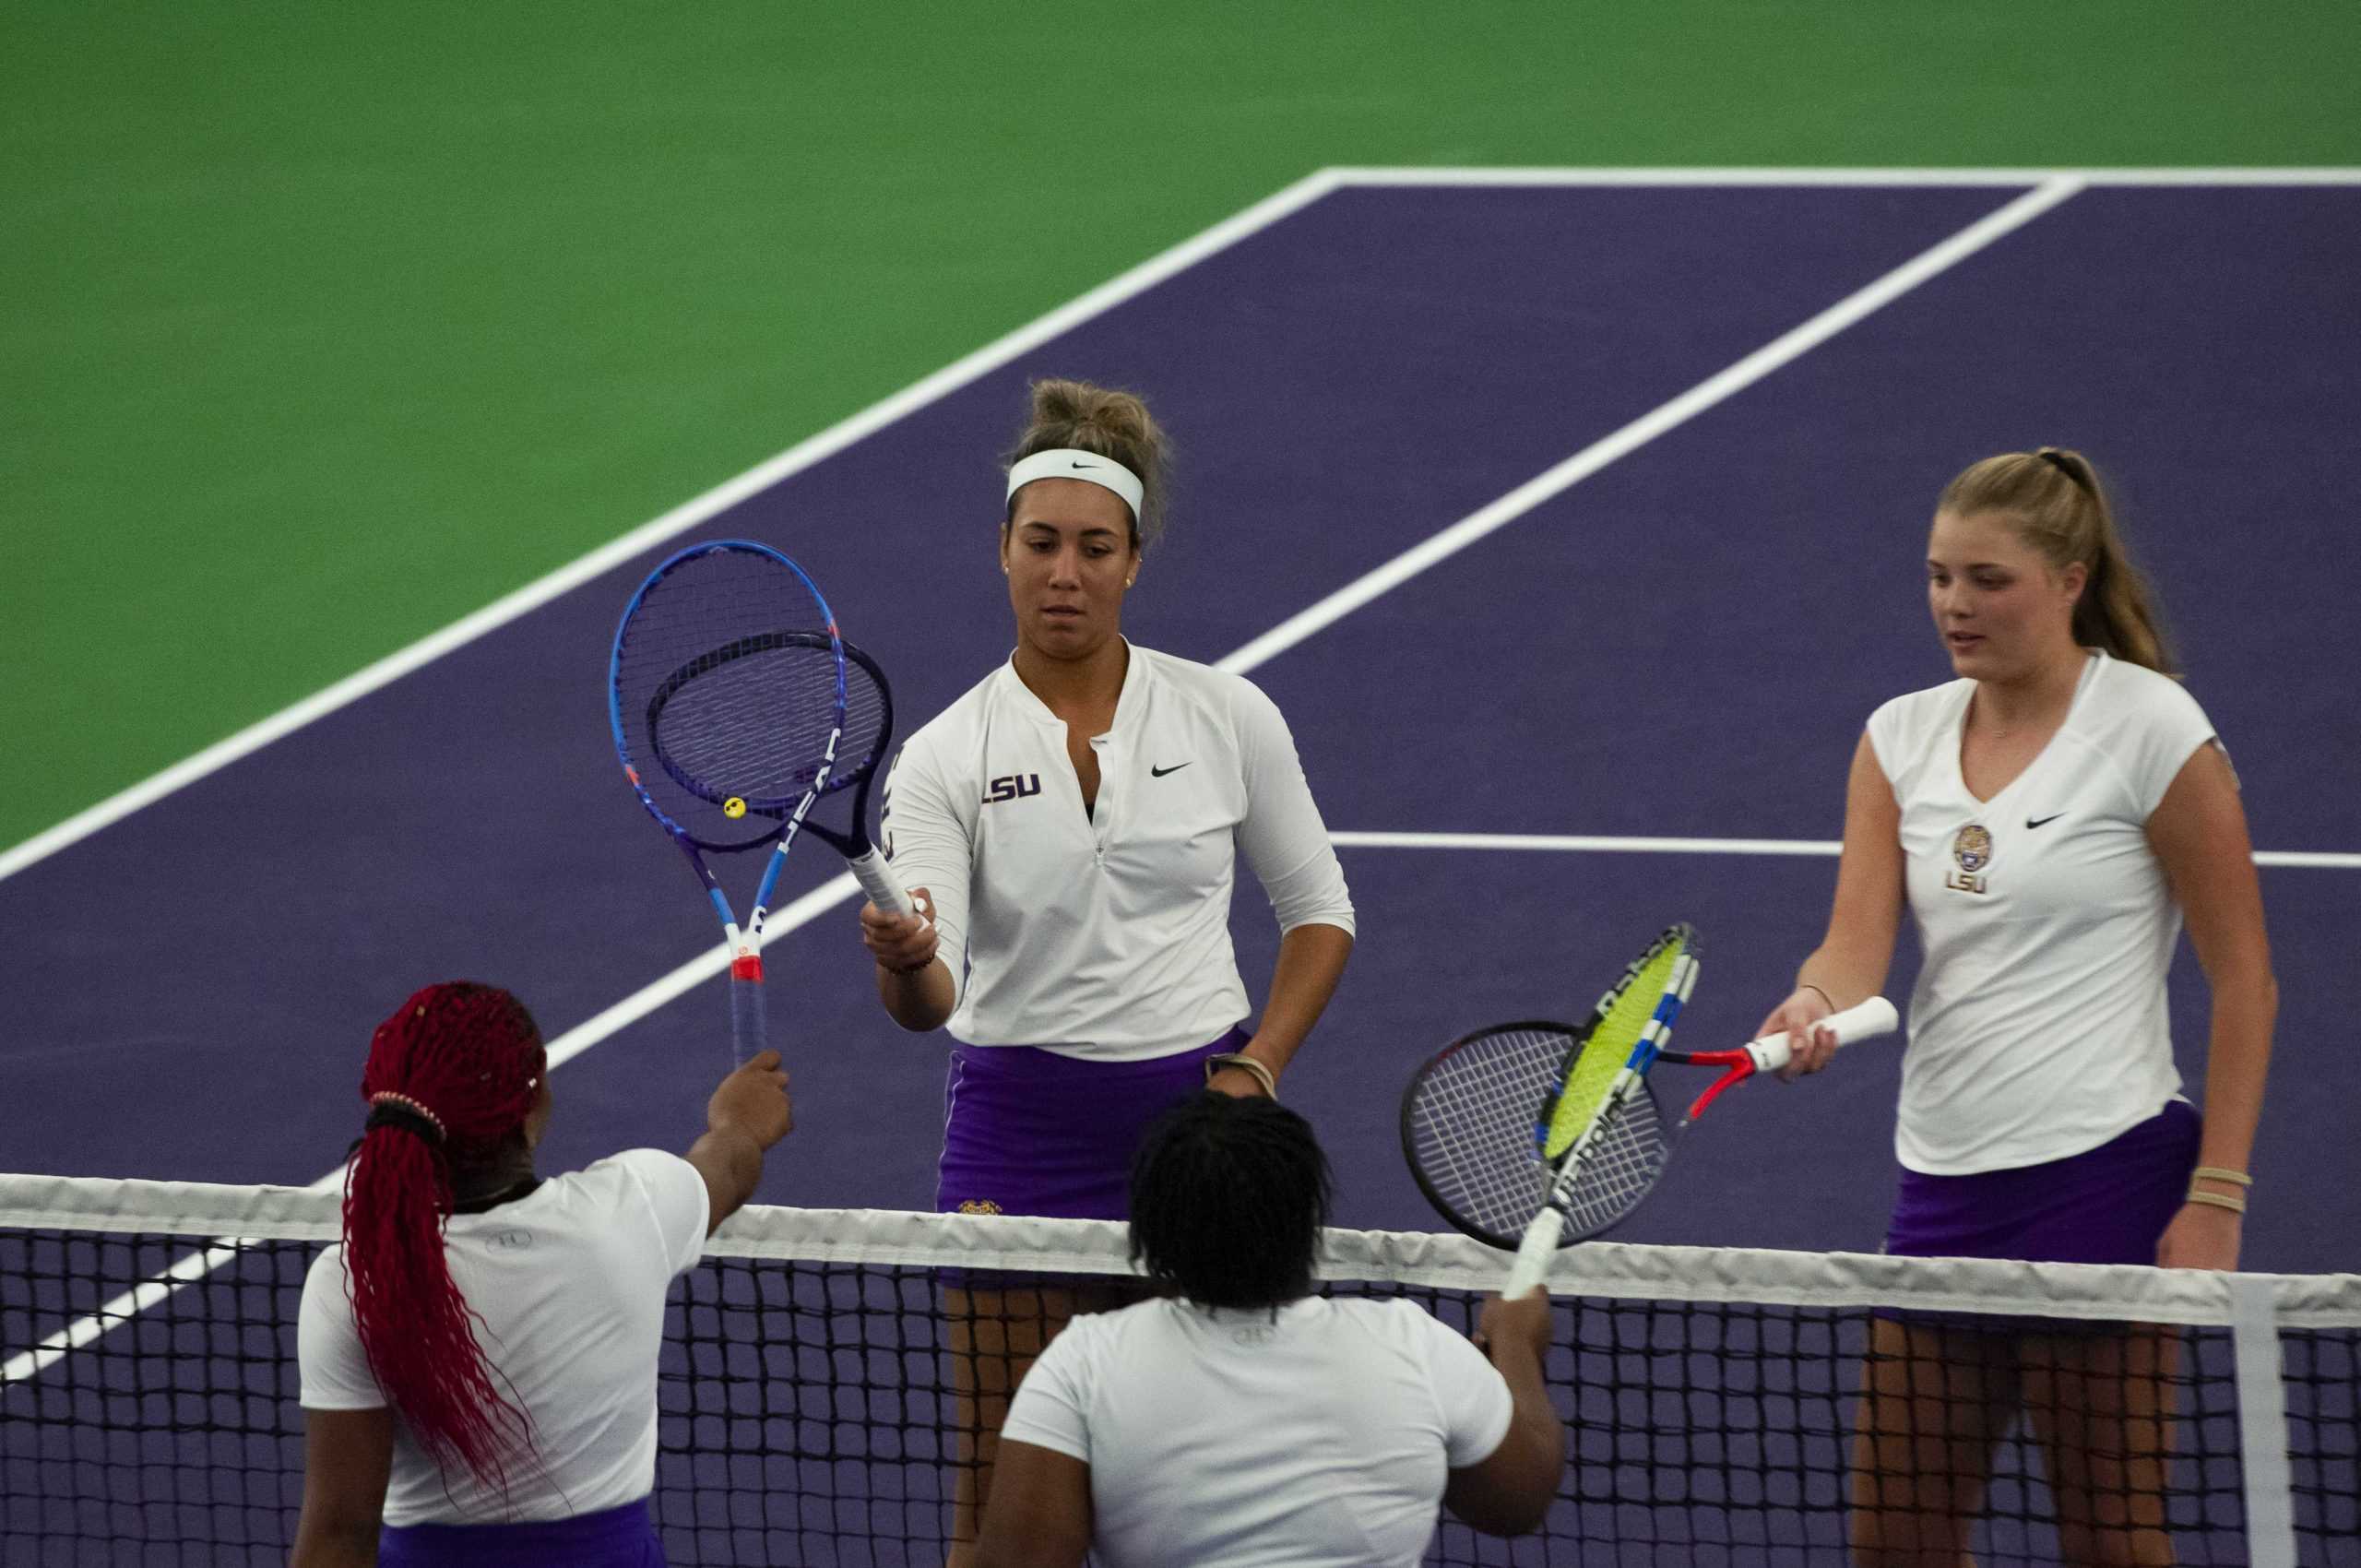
(734, 807)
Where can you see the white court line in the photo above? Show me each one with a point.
(1362, 177)
(196, 1266)
(1783, 349)
(1574, 843)
(800, 455)
(1715, 389)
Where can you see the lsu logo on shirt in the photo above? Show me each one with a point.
(1012, 787)
(1970, 852)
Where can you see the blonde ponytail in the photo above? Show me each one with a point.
(2059, 508)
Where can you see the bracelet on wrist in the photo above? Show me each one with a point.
(1254, 1069)
(2216, 1173)
(1807, 985)
(2218, 1200)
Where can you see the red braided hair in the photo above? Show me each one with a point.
(453, 1073)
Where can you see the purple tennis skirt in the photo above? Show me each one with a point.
(613, 1538)
(2107, 1204)
(1027, 1131)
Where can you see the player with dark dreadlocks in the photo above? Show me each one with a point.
(478, 1354)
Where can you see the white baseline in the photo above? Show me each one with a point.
(2169, 178)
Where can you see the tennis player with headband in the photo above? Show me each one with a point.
(2051, 818)
(1071, 826)
(478, 1353)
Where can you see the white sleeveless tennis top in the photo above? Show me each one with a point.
(2038, 1026)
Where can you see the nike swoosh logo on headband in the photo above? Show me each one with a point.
(1084, 465)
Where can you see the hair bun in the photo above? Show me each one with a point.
(1110, 421)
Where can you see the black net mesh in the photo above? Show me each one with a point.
(817, 1412)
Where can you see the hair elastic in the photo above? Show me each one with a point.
(2056, 459)
(1091, 468)
(390, 1110)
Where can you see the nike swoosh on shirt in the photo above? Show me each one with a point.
(2036, 821)
(1161, 772)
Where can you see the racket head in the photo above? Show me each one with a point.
(1629, 1024)
(726, 693)
(1468, 1136)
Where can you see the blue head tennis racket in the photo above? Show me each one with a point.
(736, 705)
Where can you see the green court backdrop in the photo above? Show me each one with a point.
(323, 325)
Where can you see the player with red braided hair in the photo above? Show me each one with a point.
(478, 1354)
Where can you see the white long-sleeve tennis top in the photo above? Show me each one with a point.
(1106, 933)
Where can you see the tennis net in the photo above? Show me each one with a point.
(813, 1408)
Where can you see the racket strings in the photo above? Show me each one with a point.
(726, 694)
(869, 716)
(1471, 1126)
(1623, 1163)
(1620, 1020)
(759, 725)
(1471, 1132)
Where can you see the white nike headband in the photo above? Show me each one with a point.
(1065, 462)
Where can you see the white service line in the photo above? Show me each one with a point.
(82, 1331)
(1477, 178)
(800, 455)
(1575, 843)
(1556, 480)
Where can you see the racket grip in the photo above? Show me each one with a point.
(1535, 1253)
(876, 880)
(1866, 1021)
(749, 1025)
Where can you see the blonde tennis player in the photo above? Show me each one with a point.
(2050, 819)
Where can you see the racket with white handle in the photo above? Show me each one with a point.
(1598, 1145)
(1866, 1021)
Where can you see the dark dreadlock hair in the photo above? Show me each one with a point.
(450, 1078)
(1228, 1198)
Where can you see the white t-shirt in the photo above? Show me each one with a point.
(2038, 1026)
(1106, 934)
(1320, 1435)
(569, 1283)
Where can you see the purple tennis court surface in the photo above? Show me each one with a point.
(1684, 644)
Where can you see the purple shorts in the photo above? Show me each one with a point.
(613, 1538)
(1027, 1131)
(2107, 1204)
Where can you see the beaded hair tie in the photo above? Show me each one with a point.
(390, 1110)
